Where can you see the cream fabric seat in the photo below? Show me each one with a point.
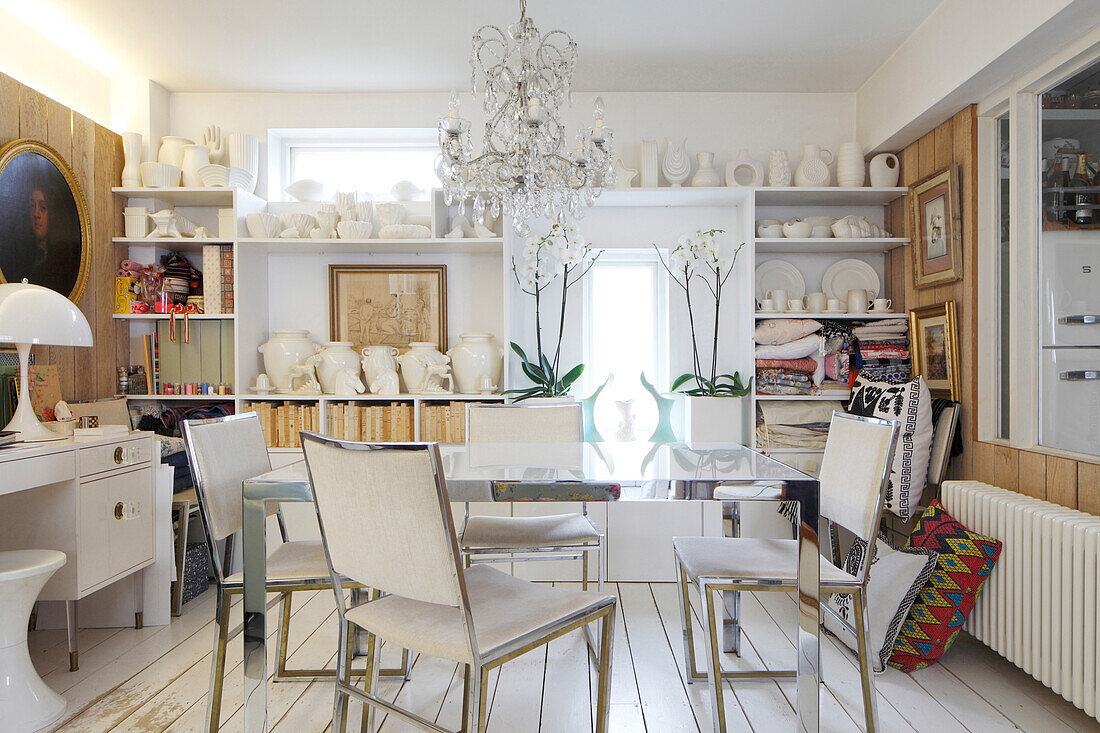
(750, 558)
(292, 561)
(524, 532)
(504, 608)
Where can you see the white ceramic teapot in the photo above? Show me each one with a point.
(474, 358)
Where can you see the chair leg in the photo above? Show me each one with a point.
(284, 632)
(866, 667)
(217, 666)
(584, 571)
(343, 677)
(714, 678)
(603, 680)
(474, 707)
(466, 678)
(370, 682)
(601, 564)
(690, 670)
(70, 625)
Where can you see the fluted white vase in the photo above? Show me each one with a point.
(850, 171)
(244, 152)
(676, 165)
(131, 150)
(647, 156)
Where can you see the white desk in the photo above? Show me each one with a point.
(91, 498)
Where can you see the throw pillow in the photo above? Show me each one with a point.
(897, 577)
(910, 404)
(784, 330)
(797, 349)
(965, 561)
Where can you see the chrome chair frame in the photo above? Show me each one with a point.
(475, 676)
(708, 585)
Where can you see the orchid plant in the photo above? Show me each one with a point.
(562, 256)
(696, 257)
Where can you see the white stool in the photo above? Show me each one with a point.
(26, 703)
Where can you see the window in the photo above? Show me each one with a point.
(1004, 259)
(625, 334)
(362, 160)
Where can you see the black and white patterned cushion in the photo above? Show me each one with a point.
(910, 404)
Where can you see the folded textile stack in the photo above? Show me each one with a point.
(796, 424)
(884, 350)
(789, 360)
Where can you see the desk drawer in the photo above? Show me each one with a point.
(114, 456)
(27, 473)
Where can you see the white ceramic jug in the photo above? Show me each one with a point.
(285, 349)
(378, 359)
(885, 169)
(706, 174)
(336, 357)
(477, 362)
(131, 150)
(814, 169)
(171, 150)
(849, 165)
(194, 157)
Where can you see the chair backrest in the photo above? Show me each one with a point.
(524, 424)
(855, 472)
(943, 435)
(385, 517)
(223, 453)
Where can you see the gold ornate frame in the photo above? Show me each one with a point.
(917, 347)
(25, 145)
(947, 180)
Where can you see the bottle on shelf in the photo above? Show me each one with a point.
(1082, 200)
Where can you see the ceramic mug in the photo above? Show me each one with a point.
(768, 306)
(858, 300)
(795, 306)
(834, 305)
(780, 298)
(815, 302)
(881, 305)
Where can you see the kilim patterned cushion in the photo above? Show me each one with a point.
(965, 561)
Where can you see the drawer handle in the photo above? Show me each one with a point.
(1080, 375)
(118, 455)
(118, 510)
(1081, 320)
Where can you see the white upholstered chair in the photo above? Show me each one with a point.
(386, 523)
(855, 472)
(519, 539)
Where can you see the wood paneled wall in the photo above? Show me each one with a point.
(95, 155)
(1061, 480)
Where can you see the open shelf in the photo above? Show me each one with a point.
(675, 196)
(166, 316)
(828, 245)
(171, 243)
(180, 196)
(832, 316)
(814, 397)
(827, 196)
(182, 397)
(374, 246)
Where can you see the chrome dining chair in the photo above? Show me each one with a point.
(386, 523)
(855, 472)
(523, 539)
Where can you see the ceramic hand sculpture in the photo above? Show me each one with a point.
(212, 139)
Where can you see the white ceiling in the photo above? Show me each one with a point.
(405, 45)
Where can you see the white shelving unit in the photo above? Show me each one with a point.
(825, 245)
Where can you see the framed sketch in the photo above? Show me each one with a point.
(390, 305)
(45, 233)
(936, 228)
(934, 348)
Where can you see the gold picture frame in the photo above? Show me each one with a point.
(45, 230)
(390, 305)
(935, 228)
(934, 348)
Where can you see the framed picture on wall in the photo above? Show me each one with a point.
(934, 348)
(45, 233)
(936, 228)
(388, 305)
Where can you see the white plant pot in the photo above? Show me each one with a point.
(286, 348)
(477, 362)
(713, 419)
(336, 356)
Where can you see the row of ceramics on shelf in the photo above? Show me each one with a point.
(295, 364)
(813, 170)
(820, 227)
(232, 160)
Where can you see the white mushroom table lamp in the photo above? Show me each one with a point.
(32, 314)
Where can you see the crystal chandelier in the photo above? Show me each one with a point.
(524, 168)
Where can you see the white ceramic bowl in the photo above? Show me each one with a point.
(160, 175)
(263, 225)
(213, 175)
(306, 189)
(354, 229)
(304, 223)
(797, 229)
(240, 178)
(404, 231)
(821, 232)
(770, 231)
(821, 221)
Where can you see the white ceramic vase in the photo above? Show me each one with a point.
(417, 366)
(285, 349)
(814, 168)
(194, 157)
(477, 362)
(850, 170)
(378, 359)
(244, 152)
(779, 168)
(131, 150)
(744, 171)
(706, 174)
(648, 163)
(335, 357)
(885, 169)
(171, 150)
(676, 165)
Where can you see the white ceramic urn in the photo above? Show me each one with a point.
(477, 362)
(378, 359)
(336, 356)
(415, 362)
(284, 349)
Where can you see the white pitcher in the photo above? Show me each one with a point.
(378, 359)
(814, 168)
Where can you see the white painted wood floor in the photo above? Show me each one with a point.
(156, 679)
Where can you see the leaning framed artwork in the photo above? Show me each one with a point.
(389, 305)
(936, 228)
(45, 232)
(934, 346)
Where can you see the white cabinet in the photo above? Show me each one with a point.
(116, 525)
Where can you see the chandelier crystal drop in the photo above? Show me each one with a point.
(526, 168)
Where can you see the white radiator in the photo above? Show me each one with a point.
(1038, 608)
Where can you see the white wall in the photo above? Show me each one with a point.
(722, 123)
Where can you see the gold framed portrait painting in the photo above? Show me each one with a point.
(388, 305)
(936, 228)
(934, 348)
(45, 232)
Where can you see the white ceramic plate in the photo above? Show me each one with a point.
(847, 275)
(779, 275)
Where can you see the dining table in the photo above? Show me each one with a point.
(644, 471)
